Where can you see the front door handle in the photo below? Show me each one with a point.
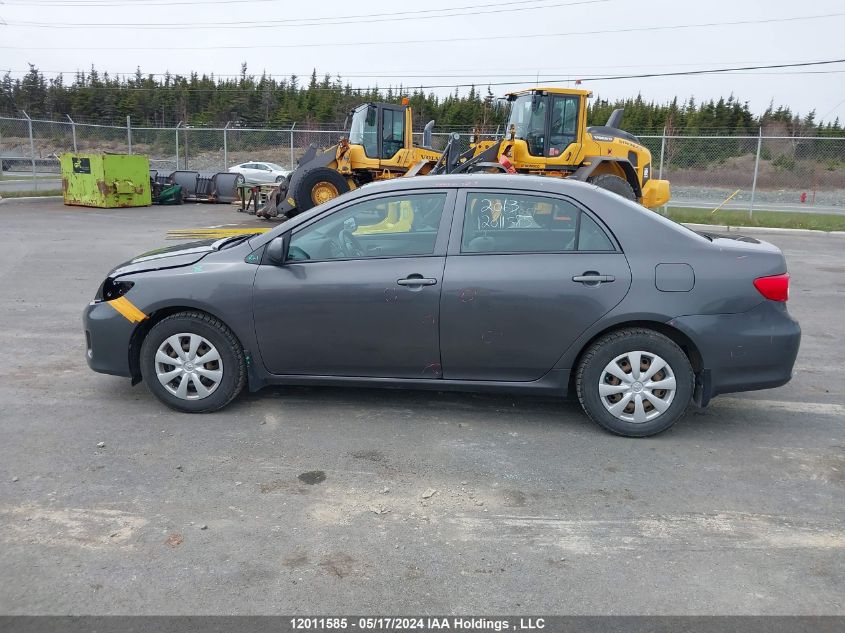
(416, 280)
(593, 278)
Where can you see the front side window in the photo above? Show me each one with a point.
(364, 129)
(394, 226)
(513, 222)
(528, 116)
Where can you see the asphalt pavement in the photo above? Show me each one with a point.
(323, 500)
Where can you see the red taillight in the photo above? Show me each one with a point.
(775, 288)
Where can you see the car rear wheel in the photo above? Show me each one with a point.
(634, 382)
(193, 363)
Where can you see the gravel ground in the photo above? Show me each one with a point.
(762, 197)
(303, 500)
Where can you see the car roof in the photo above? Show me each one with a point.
(540, 184)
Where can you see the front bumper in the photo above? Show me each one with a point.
(746, 351)
(107, 336)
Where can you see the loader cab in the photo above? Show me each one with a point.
(549, 121)
(380, 128)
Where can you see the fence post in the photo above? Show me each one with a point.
(292, 166)
(72, 131)
(31, 151)
(226, 146)
(756, 169)
(178, 125)
(662, 154)
(129, 132)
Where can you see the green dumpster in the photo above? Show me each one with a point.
(106, 180)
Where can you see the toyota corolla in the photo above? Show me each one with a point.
(481, 283)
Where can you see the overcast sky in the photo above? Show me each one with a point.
(392, 43)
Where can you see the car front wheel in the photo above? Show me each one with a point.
(193, 363)
(635, 382)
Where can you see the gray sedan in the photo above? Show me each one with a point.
(477, 283)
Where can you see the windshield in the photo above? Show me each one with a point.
(528, 116)
(364, 130)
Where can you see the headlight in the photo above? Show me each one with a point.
(111, 289)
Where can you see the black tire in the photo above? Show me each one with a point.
(220, 336)
(310, 179)
(592, 368)
(280, 179)
(615, 184)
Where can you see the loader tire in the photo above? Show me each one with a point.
(615, 184)
(318, 185)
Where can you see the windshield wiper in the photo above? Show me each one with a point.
(234, 240)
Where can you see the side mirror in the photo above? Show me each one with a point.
(276, 251)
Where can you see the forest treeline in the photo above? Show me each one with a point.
(264, 100)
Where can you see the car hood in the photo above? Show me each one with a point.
(167, 257)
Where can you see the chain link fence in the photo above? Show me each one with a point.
(741, 172)
(752, 172)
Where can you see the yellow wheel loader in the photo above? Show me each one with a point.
(547, 134)
(379, 146)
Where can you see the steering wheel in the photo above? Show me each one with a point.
(536, 143)
(350, 245)
(426, 216)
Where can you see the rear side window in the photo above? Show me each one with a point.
(591, 237)
(512, 222)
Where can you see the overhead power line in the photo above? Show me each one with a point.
(126, 3)
(409, 87)
(396, 16)
(497, 37)
(580, 72)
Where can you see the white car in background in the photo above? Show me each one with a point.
(255, 172)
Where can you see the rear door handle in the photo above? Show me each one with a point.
(593, 279)
(412, 280)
